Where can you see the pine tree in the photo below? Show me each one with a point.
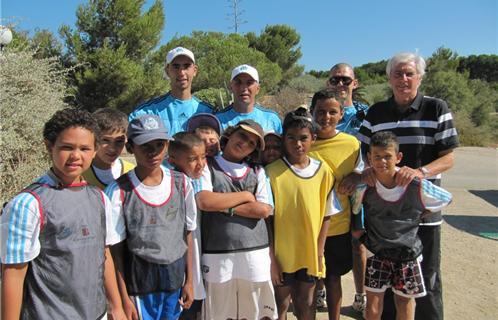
(112, 54)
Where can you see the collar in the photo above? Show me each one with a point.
(415, 105)
(60, 185)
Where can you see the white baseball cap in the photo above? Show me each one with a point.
(179, 51)
(245, 68)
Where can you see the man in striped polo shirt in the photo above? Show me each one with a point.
(427, 137)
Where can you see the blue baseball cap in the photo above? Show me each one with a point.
(147, 128)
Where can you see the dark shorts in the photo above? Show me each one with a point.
(338, 255)
(194, 312)
(404, 278)
(300, 275)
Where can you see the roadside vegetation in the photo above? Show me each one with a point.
(112, 58)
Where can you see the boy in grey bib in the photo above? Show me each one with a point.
(54, 234)
(156, 210)
(392, 217)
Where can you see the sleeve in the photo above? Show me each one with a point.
(359, 165)
(357, 219)
(135, 114)
(433, 197)
(365, 133)
(278, 126)
(115, 221)
(190, 206)
(20, 229)
(446, 135)
(204, 183)
(333, 206)
(263, 191)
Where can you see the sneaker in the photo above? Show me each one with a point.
(321, 299)
(360, 302)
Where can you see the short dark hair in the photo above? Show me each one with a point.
(384, 139)
(183, 142)
(299, 118)
(111, 120)
(68, 118)
(323, 94)
(206, 129)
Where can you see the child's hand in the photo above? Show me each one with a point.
(116, 314)
(348, 184)
(187, 296)
(276, 273)
(129, 309)
(368, 177)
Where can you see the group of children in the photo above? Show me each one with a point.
(237, 223)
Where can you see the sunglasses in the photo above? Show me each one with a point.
(346, 81)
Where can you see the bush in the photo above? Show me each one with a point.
(288, 99)
(307, 83)
(31, 90)
(218, 98)
(468, 133)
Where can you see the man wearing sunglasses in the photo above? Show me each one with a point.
(343, 81)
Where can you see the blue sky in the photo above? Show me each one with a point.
(331, 31)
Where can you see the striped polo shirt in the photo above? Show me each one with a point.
(424, 130)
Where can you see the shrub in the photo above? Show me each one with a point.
(31, 90)
(288, 99)
(218, 98)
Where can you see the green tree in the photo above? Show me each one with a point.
(43, 43)
(484, 66)
(485, 102)
(112, 52)
(46, 45)
(371, 73)
(319, 74)
(451, 87)
(217, 54)
(280, 44)
(443, 59)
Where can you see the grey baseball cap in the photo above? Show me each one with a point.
(147, 128)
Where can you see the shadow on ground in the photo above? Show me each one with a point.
(491, 196)
(481, 226)
(350, 312)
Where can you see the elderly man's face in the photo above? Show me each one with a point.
(404, 81)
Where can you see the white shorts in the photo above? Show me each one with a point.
(239, 299)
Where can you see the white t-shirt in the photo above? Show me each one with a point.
(249, 265)
(333, 205)
(433, 197)
(155, 195)
(20, 226)
(107, 176)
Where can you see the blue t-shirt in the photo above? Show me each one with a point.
(172, 111)
(266, 118)
(350, 122)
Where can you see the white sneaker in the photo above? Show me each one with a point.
(360, 302)
(321, 299)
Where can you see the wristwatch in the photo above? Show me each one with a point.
(424, 171)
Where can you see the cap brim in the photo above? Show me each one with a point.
(181, 54)
(250, 75)
(253, 131)
(205, 120)
(144, 138)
